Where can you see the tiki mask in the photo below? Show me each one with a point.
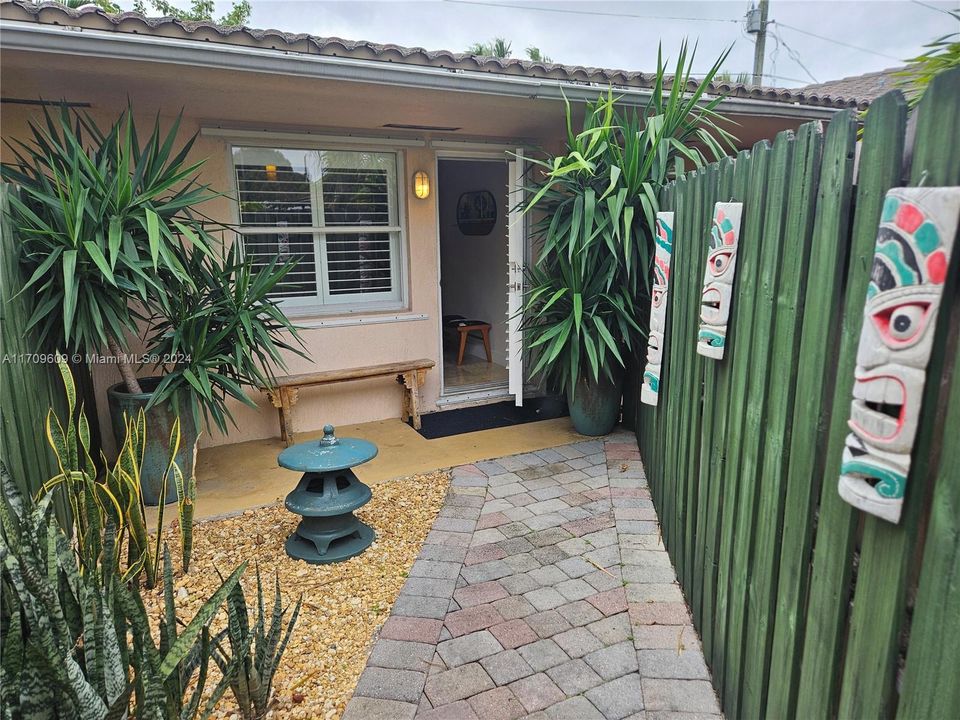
(916, 236)
(658, 308)
(718, 279)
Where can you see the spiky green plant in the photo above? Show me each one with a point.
(257, 650)
(112, 239)
(78, 644)
(115, 497)
(596, 205)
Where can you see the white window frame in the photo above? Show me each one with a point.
(321, 304)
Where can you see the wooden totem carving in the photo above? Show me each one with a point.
(658, 308)
(718, 279)
(914, 244)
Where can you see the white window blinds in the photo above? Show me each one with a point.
(335, 211)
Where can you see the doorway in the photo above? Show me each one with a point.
(474, 216)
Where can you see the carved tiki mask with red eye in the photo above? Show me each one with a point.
(914, 244)
(650, 390)
(718, 279)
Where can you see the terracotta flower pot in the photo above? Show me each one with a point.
(156, 453)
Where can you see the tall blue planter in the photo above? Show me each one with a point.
(595, 406)
(160, 420)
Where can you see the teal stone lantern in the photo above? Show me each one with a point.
(326, 497)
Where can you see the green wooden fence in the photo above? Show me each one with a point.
(807, 607)
(29, 386)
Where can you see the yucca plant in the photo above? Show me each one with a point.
(596, 205)
(114, 499)
(78, 644)
(255, 650)
(114, 247)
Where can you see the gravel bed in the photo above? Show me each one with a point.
(344, 603)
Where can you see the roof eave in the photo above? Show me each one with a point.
(34, 37)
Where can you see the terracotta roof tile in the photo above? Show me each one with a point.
(92, 16)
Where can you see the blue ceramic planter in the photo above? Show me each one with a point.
(595, 406)
(160, 420)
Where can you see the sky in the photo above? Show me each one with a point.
(861, 37)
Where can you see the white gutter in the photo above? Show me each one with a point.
(36, 37)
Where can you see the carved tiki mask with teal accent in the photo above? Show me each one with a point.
(650, 390)
(718, 279)
(914, 244)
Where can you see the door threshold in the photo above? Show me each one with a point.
(473, 397)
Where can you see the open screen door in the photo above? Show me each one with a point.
(515, 260)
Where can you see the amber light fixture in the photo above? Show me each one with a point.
(421, 184)
(271, 172)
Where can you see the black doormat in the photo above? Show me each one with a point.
(486, 417)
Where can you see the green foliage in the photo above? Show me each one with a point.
(257, 650)
(111, 238)
(498, 48)
(78, 644)
(239, 14)
(534, 55)
(228, 330)
(596, 206)
(114, 501)
(942, 55)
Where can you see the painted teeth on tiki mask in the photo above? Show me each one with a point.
(715, 300)
(650, 390)
(912, 253)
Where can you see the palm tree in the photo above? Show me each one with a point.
(498, 48)
(534, 54)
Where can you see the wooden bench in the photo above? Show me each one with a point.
(285, 393)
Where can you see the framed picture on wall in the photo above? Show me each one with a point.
(477, 212)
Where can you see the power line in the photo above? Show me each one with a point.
(793, 55)
(586, 12)
(837, 42)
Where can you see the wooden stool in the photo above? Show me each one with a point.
(465, 327)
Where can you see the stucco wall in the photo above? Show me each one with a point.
(327, 347)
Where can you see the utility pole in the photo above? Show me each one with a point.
(757, 25)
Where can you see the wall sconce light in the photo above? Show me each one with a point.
(421, 185)
(271, 172)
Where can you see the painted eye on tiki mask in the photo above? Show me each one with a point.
(901, 324)
(719, 261)
(656, 296)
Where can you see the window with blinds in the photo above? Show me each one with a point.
(334, 211)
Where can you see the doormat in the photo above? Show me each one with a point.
(486, 417)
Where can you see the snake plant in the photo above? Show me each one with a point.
(115, 497)
(78, 644)
(256, 650)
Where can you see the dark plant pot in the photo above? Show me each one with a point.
(156, 452)
(595, 406)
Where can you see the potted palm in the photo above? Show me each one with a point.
(115, 248)
(596, 205)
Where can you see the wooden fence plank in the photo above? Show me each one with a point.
(745, 288)
(880, 163)
(715, 446)
(705, 510)
(28, 389)
(879, 609)
(780, 391)
(930, 687)
(814, 383)
(694, 403)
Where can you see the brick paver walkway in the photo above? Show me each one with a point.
(543, 591)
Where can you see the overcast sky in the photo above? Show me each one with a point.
(625, 35)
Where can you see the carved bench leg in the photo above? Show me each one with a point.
(411, 400)
(284, 399)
